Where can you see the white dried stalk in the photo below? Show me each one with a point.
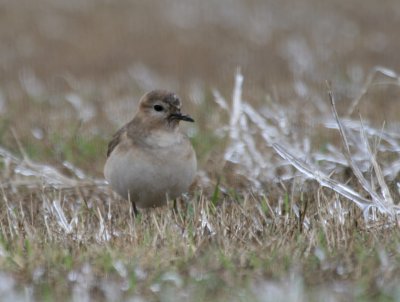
(364, 183)
(60, 217)
(219, 99)
(321, 178)
(236, 107)
(370, 77)
(378, 172)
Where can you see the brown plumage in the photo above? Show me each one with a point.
(149, 158)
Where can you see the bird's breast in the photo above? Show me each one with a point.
(162, 139)
(148, 174)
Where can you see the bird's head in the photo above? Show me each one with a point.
(160, 108)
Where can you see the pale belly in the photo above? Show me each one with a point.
(148, 179)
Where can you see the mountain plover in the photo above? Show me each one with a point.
(149, 159)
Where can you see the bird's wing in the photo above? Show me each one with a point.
(115, 140)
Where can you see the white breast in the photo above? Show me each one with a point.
(147, 175)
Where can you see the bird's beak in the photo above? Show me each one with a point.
(181, 117)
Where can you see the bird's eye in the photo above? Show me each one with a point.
(158, 108)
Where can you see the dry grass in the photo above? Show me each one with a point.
(67, 236)
(285, 208)
(84, 242)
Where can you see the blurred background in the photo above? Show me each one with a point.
(72, 71)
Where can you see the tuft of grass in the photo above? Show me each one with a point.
(212, 248)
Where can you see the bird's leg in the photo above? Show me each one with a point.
(135, 210)
(175, 205)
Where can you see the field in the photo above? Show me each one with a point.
(297, 136)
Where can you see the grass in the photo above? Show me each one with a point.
(221, 249)
(288, 240)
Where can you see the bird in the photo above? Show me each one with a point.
(149, 159)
